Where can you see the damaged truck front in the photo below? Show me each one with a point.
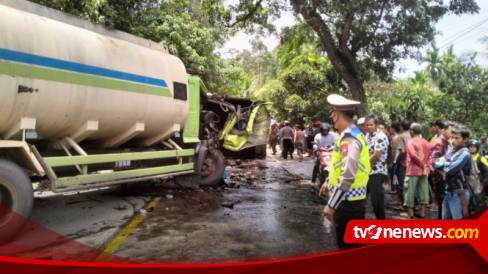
(83, 106)
(243, 125)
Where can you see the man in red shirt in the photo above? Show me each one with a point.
(417, 170)
(439, 149)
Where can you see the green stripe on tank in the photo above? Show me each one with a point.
(21, 70)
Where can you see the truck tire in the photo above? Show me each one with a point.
(212, 169)
(260, 151)
(16, 198)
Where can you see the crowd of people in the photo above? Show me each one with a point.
(304, 140)
(424, 175)
(435, 174)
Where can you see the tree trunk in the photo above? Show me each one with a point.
(345, 66)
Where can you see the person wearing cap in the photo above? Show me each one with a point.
(349, 170)
(362, 125)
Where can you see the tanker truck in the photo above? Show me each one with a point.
(84, 106)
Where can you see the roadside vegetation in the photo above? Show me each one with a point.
(350, 47)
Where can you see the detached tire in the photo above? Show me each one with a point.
(212, 169)
(16, 198)
(260, 151)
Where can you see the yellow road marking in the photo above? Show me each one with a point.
(114, 245)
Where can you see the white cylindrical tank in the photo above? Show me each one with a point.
(65, 80)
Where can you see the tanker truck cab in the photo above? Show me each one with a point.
(83, 106)
(243, 125)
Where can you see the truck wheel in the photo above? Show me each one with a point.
(260, 151)
(16, 195)
(212, 169)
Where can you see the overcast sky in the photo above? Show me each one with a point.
(464, 32)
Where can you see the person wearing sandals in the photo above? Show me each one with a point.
(417, 171)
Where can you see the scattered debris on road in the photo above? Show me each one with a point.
(119, 207)
(230, 204)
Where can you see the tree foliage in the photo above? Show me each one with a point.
(189, 28)
(374, 34)
(305, 77)
(260, 66)
(334, 43)
(465, 90)
(306, 83)
(459, 93)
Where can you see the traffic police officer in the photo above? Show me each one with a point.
(349, 171)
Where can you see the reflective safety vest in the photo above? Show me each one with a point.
(358, 187)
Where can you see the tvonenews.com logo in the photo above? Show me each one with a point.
(375, 232)
(466, 231)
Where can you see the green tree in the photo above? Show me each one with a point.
(465, 93)
(87, 9)
(304, 82)
(260, 65)
(293, 38)
(434, 63)
(404, 99)
(307, 87)
(251, 16)
(382, 100)
(412, 101)
(459, 94)
(188, 28)
(124, 15)
(276, 95)
(374, 34)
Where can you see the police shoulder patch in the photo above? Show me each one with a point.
(344, 147)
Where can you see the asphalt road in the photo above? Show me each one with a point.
(265, 209)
